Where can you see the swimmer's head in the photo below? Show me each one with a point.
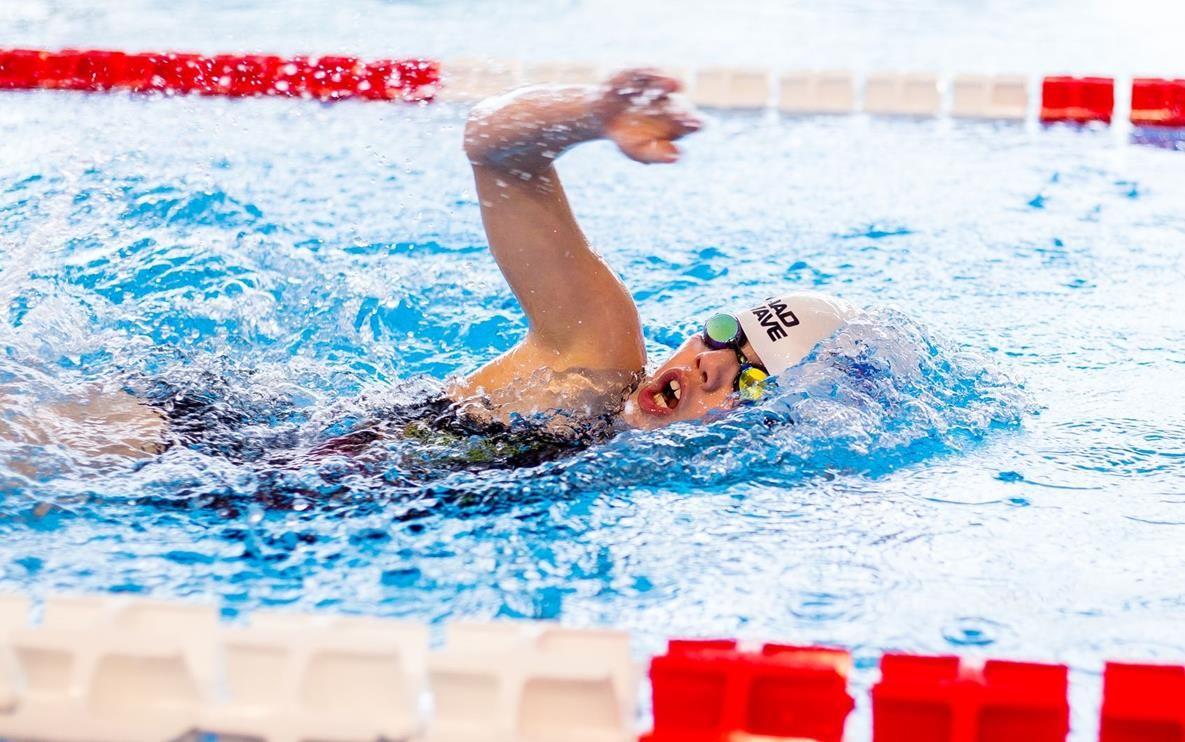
(702, 375)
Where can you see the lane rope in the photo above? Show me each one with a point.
(327, 78)
(1155, 101)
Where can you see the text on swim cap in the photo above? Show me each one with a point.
(775, 316)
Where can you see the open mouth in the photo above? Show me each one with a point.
(663, 395)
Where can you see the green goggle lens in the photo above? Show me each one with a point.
(751, 383)
(724, 331)
(722, 328)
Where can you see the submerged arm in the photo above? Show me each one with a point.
(579, 312)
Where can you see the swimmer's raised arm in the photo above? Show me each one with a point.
(525, 130)
(580, 314)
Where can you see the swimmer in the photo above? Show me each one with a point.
(584, 329)
(580, 372)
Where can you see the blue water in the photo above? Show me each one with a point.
(991, 461)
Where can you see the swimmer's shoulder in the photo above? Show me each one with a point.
(584, 392)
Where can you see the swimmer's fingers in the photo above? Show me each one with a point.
(682, 116)
(644, 115)
(649, 151)
(649, 138)
(658, 152)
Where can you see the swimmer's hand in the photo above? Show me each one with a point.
(642, 115)
(524, 131)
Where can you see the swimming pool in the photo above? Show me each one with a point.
(1019, 495)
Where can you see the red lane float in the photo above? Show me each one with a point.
(938, 699)
(19, 68)
(1158, 102)
(326, 78)
(1077, 99)
(1142, 703)
(709, 691)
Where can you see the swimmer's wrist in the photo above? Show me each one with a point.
(590, 110)
(592, 121)
(602, 106)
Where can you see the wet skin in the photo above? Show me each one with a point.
(693, 382)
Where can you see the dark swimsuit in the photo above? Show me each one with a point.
(210, 421)
(459, 442)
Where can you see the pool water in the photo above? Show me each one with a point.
(990, 461)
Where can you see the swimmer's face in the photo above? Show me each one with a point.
(691, 383)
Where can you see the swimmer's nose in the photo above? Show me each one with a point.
(717, 368)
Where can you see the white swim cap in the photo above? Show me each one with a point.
(785, 329)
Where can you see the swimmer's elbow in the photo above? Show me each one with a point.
(475, 145)
(480, 127)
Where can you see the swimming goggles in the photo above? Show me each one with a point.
(724, 331)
